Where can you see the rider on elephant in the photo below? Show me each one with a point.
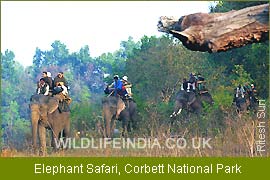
(60, 79)
(184, 85)
(127, 85)
(191, 82)
(43, 87)
(48, 79)
(61, 91)
(116, 88)
(240, 91)
(200, 83)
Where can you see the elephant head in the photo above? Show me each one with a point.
(186, 100)
(178, 106)
(41, 106)
(206, 97)
(241, 104)
(112, 107)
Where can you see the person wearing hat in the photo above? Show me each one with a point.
(127, 85)
(117, 87)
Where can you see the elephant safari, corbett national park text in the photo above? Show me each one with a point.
(123, 110)
(45, 114)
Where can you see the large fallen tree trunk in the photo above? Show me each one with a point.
(217, 32)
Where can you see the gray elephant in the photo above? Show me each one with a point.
(116, 108)
(46, 115)
(241, 104)
(191, 102)
(206, 97)
(186, 100)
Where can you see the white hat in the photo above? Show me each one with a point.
(125, 78)
(49, 74)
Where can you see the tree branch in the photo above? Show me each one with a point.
(215, 32)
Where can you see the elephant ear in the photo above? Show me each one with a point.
(120, 107)
(52, 104)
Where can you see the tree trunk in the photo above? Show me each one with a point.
(215, 32)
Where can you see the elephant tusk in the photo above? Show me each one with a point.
(179, 111)
(173, 115)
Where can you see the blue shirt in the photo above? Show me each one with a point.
(118, 84)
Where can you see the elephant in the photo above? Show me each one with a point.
(191, 102)
(186, 100)
(45, 114)
(206, 97)
(116, 108)
(241, 104)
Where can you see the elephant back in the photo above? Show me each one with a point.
(38, 99)
(191, 97)
(240, 100)
(188, 97)
(131, 105)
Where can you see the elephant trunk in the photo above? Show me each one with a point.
(120, 107)
(177, 109)
(107, 120)
(35, 113)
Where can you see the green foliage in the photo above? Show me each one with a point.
(223, 96)
(8, 65)
(161, 64)
(240, 76)
(85, 116)
(155, 66)
(15, 129)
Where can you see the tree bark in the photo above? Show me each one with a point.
(216, 32)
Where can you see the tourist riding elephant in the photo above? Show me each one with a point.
(186, 100)
(45, 114)
(116, 108)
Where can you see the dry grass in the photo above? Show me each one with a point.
(238, 139)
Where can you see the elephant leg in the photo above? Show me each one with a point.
(53, 144)
(55, 139)
(34, 120)
(108, 118)
(42, 139)
(124, 127)
(112, 125)
(67, 130)
(129, 126)
(66, 135)
(34, 135)
(125, 122)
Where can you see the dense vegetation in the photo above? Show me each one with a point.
(155, 66)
